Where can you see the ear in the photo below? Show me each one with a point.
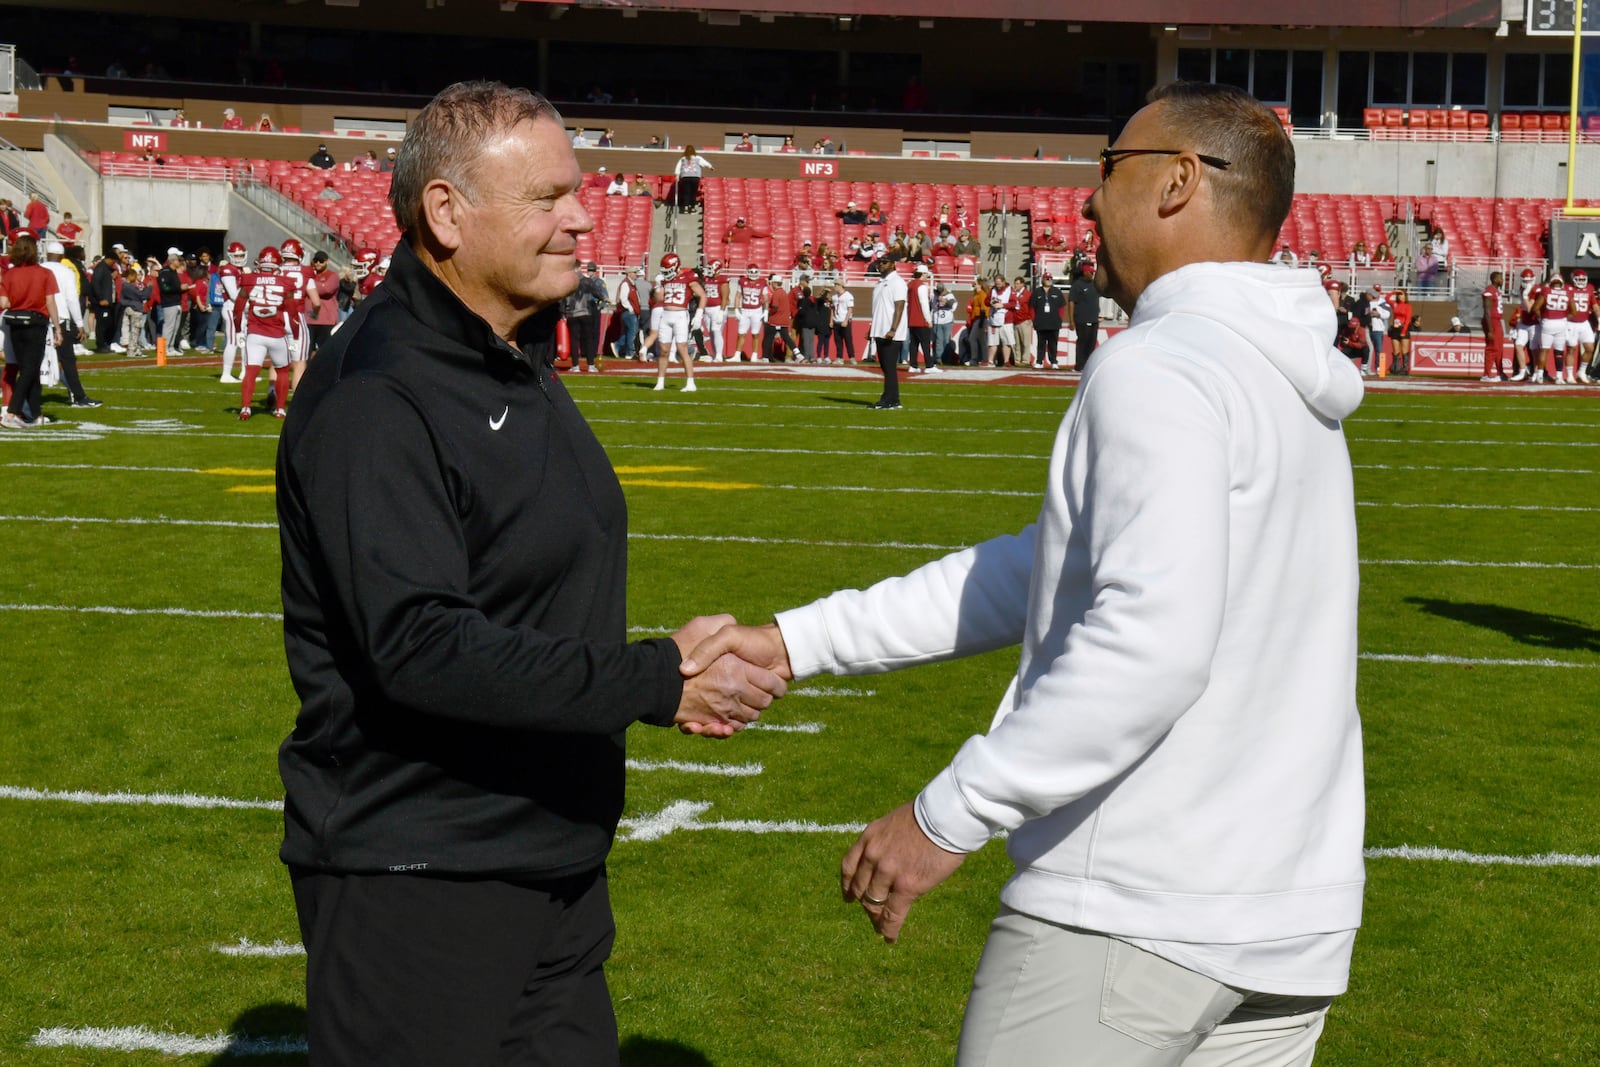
(441, 211)
(1180, 184)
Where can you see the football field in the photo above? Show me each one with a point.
(145, 913)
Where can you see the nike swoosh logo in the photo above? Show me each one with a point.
(495, 424)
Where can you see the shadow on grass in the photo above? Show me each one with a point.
(654, 1052)
(855, 401)
(272, 1026)
(1528, 627)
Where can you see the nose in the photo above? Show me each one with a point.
(1090, 210)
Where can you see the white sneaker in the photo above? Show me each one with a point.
(12, 422)
(117, 348)
(1583, 375)
(661, 383)
(1538, 377)
(1572, 378)
(689, 386)
(1490, 378)
(229, 379)
(183, 346)
(1520, 376)
(935, 370)
(716, 359)
(79, 350)
(916, 370)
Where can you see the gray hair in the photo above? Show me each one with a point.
(449, 135)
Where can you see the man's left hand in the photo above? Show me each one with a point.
(891, 864)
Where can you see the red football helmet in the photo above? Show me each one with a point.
(713, 268)
(671, 262)
(1556, 279)
(1580, 279)
(293, 251)
(269, 260)
(366, 260)
(238, 255)
(752, 271)
(1527, 274)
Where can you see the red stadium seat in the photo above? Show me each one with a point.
(1372, 117)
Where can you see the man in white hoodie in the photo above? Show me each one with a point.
(1177, 762)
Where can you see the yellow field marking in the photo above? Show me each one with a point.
(252, 489)
(656, 470)
(240, 472)
(663, 484)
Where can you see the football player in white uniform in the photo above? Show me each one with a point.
(300, 273)
(714, 312)
(230, 273)
(1580, 331)
(752, 293)
(679, 284)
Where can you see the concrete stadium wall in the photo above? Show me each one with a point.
(252, 228)
(1443, 168)
(160, 204)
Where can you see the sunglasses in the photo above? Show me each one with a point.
(1109, 156)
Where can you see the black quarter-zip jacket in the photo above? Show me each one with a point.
(454, 571)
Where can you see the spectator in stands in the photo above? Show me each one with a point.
(897, 251)
(966, 245)
(231, 119)
(598, 95)
(149, 156)
(618, 186)
(37, 215)
(654, 142)
(802, 258)
(581, 139)
(688, 169)
(386, 164)
(788, 144)
(1285, 256)
(607, 139)
(745, 144)
(369, 162)
(641, 187)
(742, 233)
(1428, 267)
(600, 179)
(874, 246)
(1381, 255)
(851, 215)
(828, 262)
(853, 251)
(329, 192)
(1440, 243)
(828, 148)
(28, 298)
(321, 159)
(875, 216)
(1050, 241)
(945, 243)
(116, 69)
(68, 230)
(179, 119)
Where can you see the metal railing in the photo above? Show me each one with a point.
(311, 230)
(18, 170)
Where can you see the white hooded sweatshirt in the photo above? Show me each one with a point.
(1178, 759)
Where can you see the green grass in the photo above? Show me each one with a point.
(735, 948)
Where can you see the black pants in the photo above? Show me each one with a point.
(107, 324)
(844, 341)
(585, 331)
(769, 341)
(319, 337)
(403, 970)
(1088, 338)
(888, 362)
(688, 193)
(69, 363)
(922, 341)
(28, 342)
(1049, 340)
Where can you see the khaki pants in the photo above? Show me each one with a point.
(1048, 995)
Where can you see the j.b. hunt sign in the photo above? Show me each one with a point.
(1575, 243)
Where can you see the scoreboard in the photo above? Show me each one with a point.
(1555, 18)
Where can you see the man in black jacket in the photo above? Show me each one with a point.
(1085, 301)
(1047, 303)
(103, 302)
(454, 565)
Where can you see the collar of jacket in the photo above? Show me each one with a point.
(434, 303)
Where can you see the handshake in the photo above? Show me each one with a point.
(731, 674)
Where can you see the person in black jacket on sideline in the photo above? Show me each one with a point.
(454, 547)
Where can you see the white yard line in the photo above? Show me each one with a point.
(142, 1039)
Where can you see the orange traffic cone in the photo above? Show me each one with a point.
(161, 351)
